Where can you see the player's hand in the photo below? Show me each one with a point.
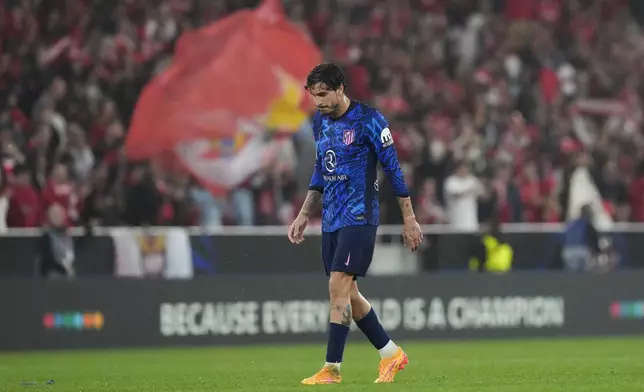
(412, 234)
(296, 231)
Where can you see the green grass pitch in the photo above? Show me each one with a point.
(575, 365)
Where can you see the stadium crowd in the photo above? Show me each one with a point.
(521, 92)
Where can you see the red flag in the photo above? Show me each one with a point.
(241, 74)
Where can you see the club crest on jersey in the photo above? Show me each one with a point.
(349, 136)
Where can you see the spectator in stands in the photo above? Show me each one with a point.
(10, 153)
(636, 194)
(180, 208)
(24, 201)
(244, 206)
(5, 194)
(211, 209)
(462, 189)
(552, 211)
(100, 206)
(508, 195)
(488, 201)
(61, 190)
(533, 194)
(430, 210)
(613, 190)
(503, 85)
(143, 198)
(81, 155)
(56, 250)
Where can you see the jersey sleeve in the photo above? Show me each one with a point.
(379, 137)
(317, 181)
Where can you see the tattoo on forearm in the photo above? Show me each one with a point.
(346, 316)
(406, 208)
(311, 202)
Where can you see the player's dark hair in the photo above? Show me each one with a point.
(329, 74)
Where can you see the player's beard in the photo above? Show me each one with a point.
(334, 110)
(328, 109)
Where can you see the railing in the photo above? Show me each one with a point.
(625, 227)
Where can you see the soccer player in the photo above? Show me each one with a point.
(351, 138)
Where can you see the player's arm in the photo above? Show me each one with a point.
(382, 142)
(314, 195)
(316, 186)
(406, 208)
(311, 202)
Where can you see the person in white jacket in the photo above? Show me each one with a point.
(5, 195)
(462, 190)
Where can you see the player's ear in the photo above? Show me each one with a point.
(340, 90)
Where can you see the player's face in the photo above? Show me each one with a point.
(326, 100)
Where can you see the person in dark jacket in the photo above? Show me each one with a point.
(56, 247)
(580, 242)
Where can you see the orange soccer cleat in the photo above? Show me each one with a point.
(328, 375)
(390, 366)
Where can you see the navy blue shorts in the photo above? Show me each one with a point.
(349, 250)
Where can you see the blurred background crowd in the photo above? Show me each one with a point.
(520, 91)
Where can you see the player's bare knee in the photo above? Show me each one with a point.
(340, 285)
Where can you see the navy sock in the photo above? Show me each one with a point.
(373, 330)
(338, 335)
